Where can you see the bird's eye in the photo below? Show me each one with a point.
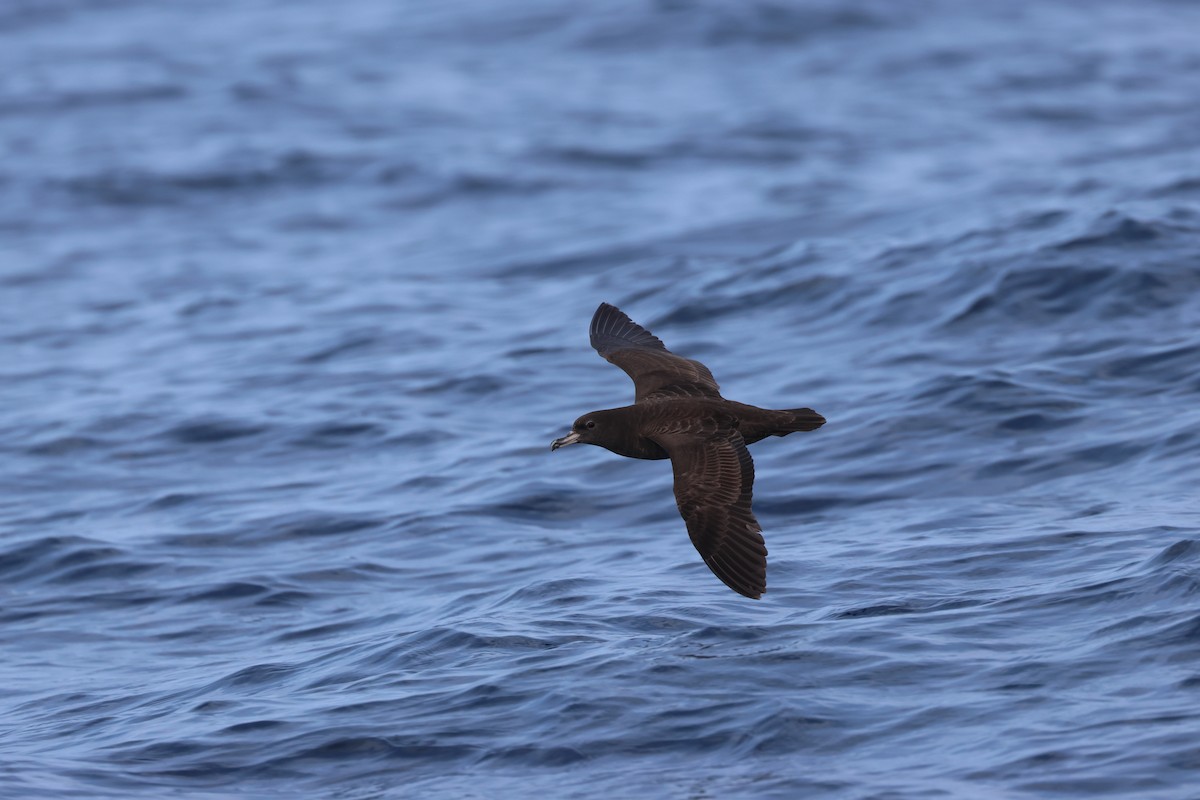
(589, 424)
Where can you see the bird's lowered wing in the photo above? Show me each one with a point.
(714, 478)
(655, 370)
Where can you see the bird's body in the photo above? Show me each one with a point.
(679, 414)
(643, 422)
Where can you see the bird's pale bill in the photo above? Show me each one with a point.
(570, 438)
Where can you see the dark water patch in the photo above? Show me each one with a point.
(544, 504)
(1114, 229)
(750, 151)
(431, 645)
(66, 266)
(1050, 291)
(105, 568)
(743, 25)
(314, 222)
(173, 500)
(416, 192)
(1132, 599)
(1167, 369)
(785, 731)
(820, 292)
(1185, 550)
(361, 570)
(306, 525)
(160, 751)
(592, 157)
(70, 560)
(344, 429)
(908, 607)
(350, 345)
(564, 592)
(482, 185)
(1096, 510)
(1087, 347)
(1109, 454)
(212, 431)
(1049, 284)
(421, 481)
(290, 597)
(297, 169)
(66, 445)
(357, 748)
(19, 13)
(496, 184)
(535, 756)
(340, 435)
(254, 727)
(1042, 220)
(39, 555)
(1036, 422)
(1182, 186)
(532, 352)
(806, 504)
(1053, 290)
(79, 100)
(255, 676)
(993, 396)
(572, 263)
(876, 611)
(329, 632)
(785, 130)
(226, 591)
(1054, 114)
(473, 386)
(1046, 294)
(1179, 632)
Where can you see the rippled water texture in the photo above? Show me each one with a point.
(295, 296)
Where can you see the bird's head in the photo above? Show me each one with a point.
(588, 429)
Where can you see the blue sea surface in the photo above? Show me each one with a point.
(294, 297)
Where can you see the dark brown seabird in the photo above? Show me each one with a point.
(678, 413)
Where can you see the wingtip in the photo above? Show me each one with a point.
(604, 310)
(752, 592)
(733, 575)
(612, 324)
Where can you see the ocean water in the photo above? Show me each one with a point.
(294, 297)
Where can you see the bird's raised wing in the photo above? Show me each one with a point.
(714, 478)
(656, 371)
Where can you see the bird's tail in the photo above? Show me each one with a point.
(757, 424)
(801, 419)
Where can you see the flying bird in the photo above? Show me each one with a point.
(679, 413)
